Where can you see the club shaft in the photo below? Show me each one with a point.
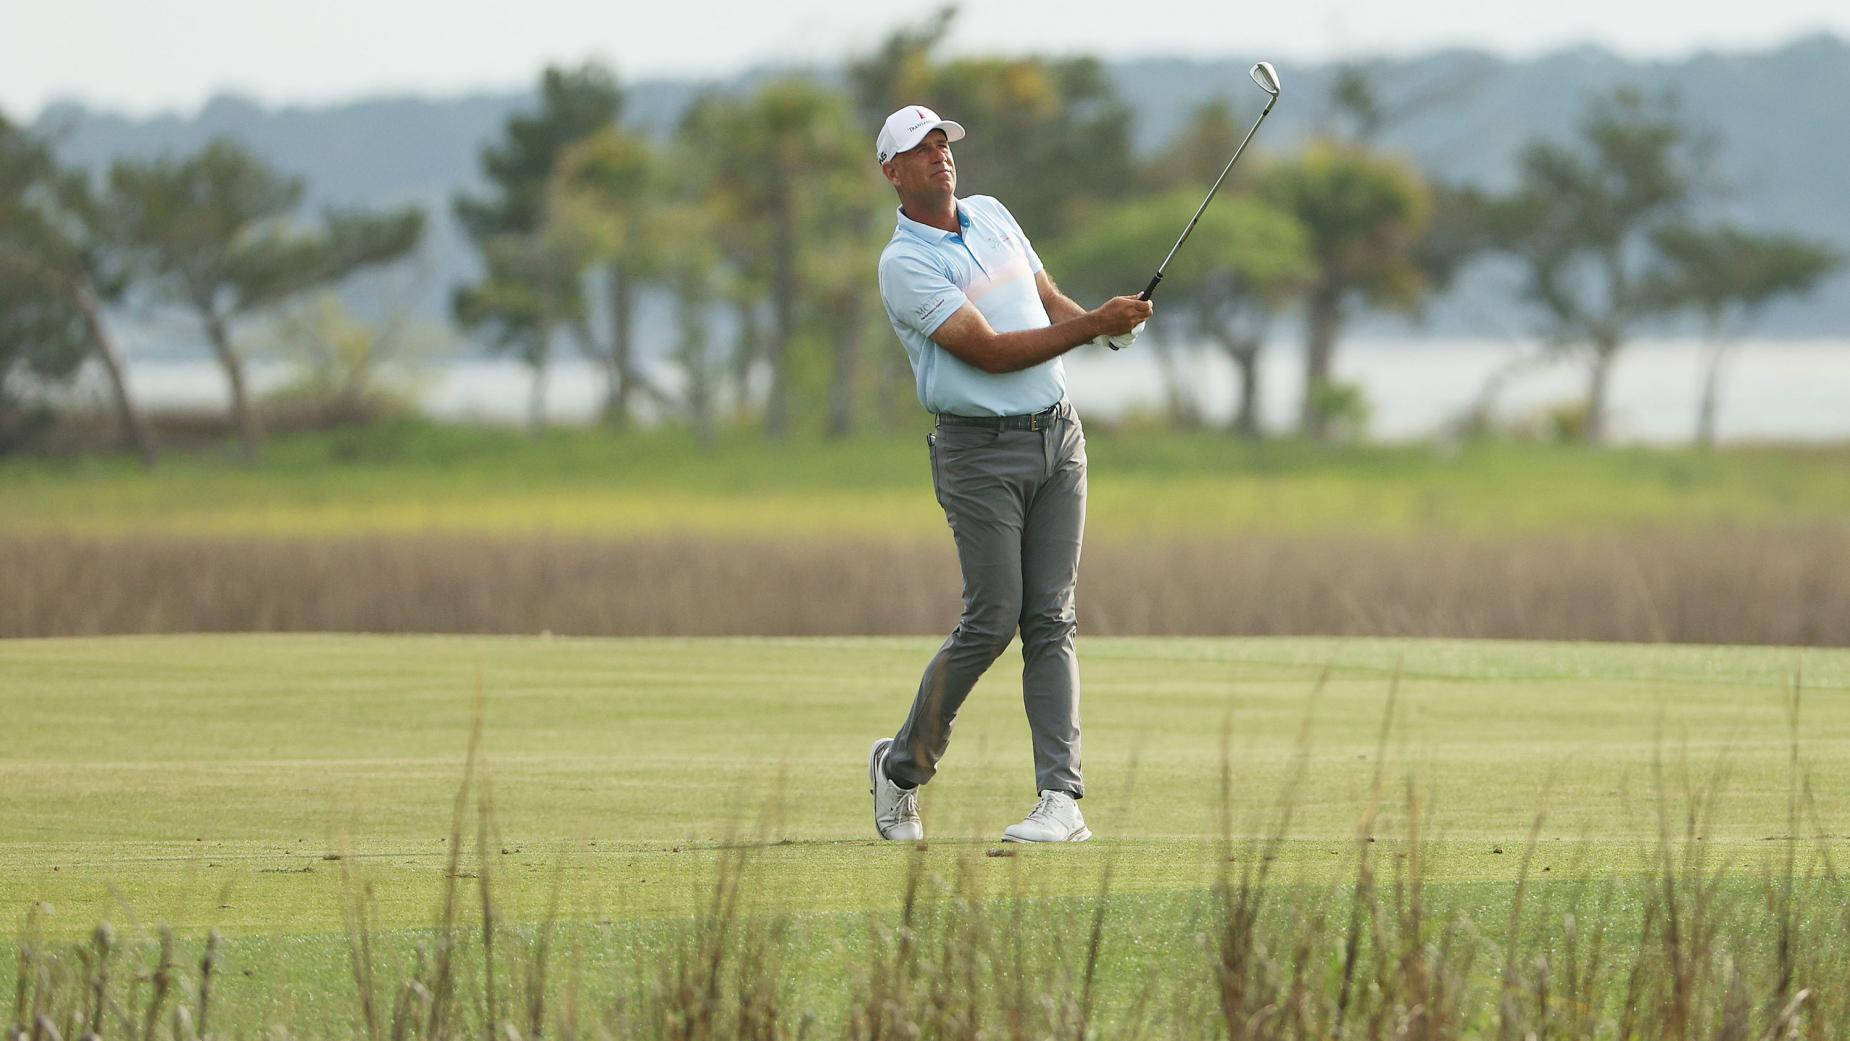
(1151, 288)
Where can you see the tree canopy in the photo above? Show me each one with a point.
(216, 233)
(531, 286)
(1582, 220)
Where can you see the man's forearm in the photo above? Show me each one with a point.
(1012, 352)
(1061, 308)
(969, 338)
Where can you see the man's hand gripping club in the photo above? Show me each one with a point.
(969, 337)
(1120, 339)
(1117, 341)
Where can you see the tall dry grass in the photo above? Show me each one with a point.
(1748, 587)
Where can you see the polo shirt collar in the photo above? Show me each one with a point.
(928, 232)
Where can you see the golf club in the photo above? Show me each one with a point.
(1267, 78)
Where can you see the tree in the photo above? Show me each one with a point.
(1366, 105)
(606, 196)
(530, 287)
(848, 305)
(1729, 275)
(1582, 220)
(651, 212)
(783, 162)
(58, 269)
(341, 363)
(529, 290)
(1246, 260)
(1364, 215)
(39, 338)
(214, 232)
(847, 240)
(695, 272)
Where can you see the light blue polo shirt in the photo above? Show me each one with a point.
(927, 273)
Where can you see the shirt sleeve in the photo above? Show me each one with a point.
(918, 292)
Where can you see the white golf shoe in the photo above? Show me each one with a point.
(896, 809)
(1055, 819)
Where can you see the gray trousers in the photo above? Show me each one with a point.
(1016, 503)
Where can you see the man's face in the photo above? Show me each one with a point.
(926, 169)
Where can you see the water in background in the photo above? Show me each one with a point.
(1774, 390)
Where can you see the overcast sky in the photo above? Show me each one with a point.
(143, 57)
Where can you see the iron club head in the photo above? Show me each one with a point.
(1267, 77)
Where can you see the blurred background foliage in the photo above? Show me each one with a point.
(717, 272)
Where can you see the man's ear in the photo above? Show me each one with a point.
(886, 171)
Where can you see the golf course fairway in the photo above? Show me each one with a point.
(201, 780)
(249, 783)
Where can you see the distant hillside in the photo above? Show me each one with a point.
(1784, 132)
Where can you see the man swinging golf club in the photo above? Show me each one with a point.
(984, 327)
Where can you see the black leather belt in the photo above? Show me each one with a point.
(1031, 421)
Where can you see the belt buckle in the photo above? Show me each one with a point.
(1034, 421)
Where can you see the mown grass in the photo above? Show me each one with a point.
(667, 839)
(420, 477)
(173, 775)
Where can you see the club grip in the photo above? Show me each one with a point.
(1145, 295)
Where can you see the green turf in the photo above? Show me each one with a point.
(422, 477)
(203, 780)
(207, 781)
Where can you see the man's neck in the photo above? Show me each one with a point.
(938, 211)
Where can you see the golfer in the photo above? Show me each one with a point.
(985, 327)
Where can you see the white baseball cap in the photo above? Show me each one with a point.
(907, 127)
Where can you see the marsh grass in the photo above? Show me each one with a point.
(1727, 587)
(1686, 946)
(411, 477)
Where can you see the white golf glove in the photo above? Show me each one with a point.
(1120, 341)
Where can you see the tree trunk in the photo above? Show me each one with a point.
(622, 328)
(896, 387)
(1246, 411)
(134, 428)
(1322, 322)
(243, 413)
(350, 396)
(745, 352)
(1716, 351)
(844, 379)
(1480, 416)
(538, 355)
(691, 317)
(1178, 387)
(1598, 376)
(784, 310)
